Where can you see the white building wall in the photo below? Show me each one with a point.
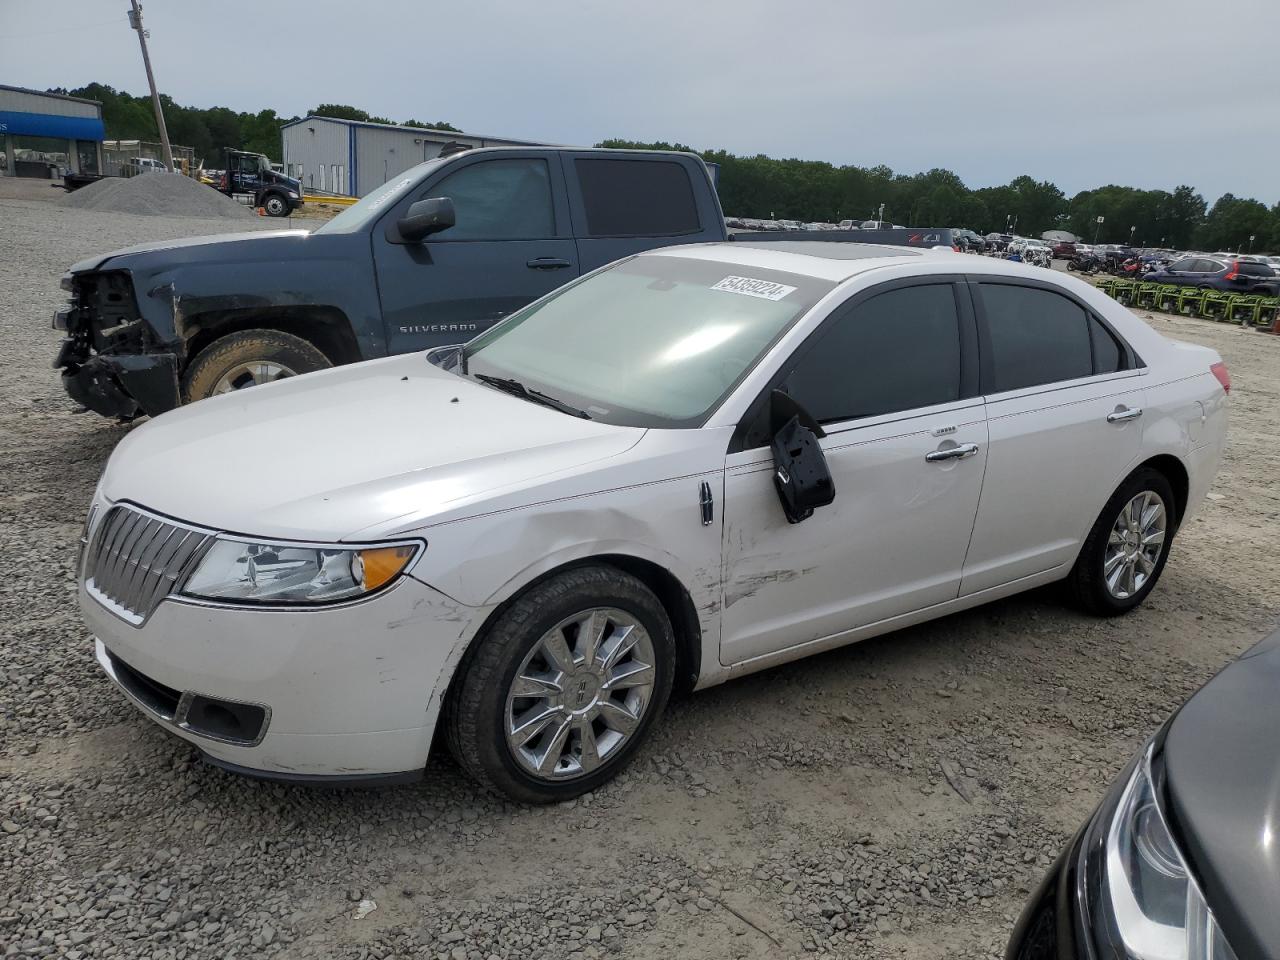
(20, 101)
(314, 144)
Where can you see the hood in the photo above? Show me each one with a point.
(229, 247)
(330, 454)
(1222, 763)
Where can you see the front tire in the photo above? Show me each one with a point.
(248, 358)
(563, 688)
(275, 205)
(1125, 552)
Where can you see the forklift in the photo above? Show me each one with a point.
(249, 179)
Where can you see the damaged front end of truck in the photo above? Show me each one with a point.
(113, 361)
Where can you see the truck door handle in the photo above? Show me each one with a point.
(548, 263)
(1125, 415)
(952, 453)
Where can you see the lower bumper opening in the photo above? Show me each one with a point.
(227, 721)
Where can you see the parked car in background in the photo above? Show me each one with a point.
(1209, 273)
(525, 542)
(1063, 249)
(966, 239)
(1179, 860)
(998, 241)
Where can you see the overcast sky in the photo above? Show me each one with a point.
(1080, 92)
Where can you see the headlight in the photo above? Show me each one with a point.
(288, 573)
(293, 195)
(1150, 905)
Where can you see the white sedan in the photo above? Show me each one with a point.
(689, 465)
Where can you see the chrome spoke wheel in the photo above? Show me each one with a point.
(251, 375)
(580, 694)
(1135, 544)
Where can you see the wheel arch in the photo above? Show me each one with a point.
(1175, 471)
(327, 328)
(666, 586)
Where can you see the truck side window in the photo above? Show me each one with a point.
(506, 199)
(636, 198)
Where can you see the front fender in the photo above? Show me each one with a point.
(175, 286)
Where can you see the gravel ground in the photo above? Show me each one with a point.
(895, 799)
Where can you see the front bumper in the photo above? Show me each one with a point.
(346, 693)
(122, 385)
(1050, 927)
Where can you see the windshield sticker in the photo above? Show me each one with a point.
(764, 289)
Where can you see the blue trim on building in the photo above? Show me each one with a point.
(47, 125)
(395, 126)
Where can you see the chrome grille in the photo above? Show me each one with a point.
(135, 559)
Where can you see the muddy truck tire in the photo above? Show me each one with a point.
(247, 359)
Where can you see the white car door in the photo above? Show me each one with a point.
(892, 377)
(1064, 411)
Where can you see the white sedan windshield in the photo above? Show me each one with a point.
(653, 341)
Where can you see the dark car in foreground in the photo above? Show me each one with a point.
(1181, 860)
(1212, 273)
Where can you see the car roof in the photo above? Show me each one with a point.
(822, 260)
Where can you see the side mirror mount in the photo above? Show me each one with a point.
(426, 217)
(800, 472)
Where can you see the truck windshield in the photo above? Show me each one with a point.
(372, 205)
(655, 341)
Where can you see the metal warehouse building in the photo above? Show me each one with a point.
(47, 134)
(351, 157)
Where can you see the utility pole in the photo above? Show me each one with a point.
(135, 21)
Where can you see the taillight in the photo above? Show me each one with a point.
(1232, 272)
(1219, 370)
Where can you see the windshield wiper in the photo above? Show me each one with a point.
(516, 388)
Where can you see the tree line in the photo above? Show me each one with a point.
(807, 190)
(208, 131)
(812, 190)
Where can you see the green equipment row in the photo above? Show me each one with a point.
(1247, 309)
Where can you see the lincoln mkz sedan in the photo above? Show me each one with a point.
(689, 465)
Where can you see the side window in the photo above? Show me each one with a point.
(1185, 266)
(1034, 336)
(1207, 266)
(636, 198)
(897, 351)
(499, 200)
(1108, 355)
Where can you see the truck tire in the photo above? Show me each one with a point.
(247, 359)
(589, 655)
(276, 205)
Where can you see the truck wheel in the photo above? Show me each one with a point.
(557, 695)
(247, 359)
(276, 205)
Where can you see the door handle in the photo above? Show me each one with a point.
(548, 263)
(1124, 416)
(960, 452)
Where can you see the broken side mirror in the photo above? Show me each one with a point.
(800, 471)
(426, 217)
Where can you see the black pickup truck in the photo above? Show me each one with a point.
(432, 258)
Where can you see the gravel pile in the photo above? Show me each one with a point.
(897, 799)
(156, 195)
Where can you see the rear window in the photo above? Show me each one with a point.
(636, 198)
(1034, 336)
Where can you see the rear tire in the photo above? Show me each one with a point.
(248, 358)
(532, 669)
(1098, 580)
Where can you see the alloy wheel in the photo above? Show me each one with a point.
(580, 694)
(250, 374)
(1134, 546)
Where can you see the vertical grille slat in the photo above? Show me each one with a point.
(135, 560)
